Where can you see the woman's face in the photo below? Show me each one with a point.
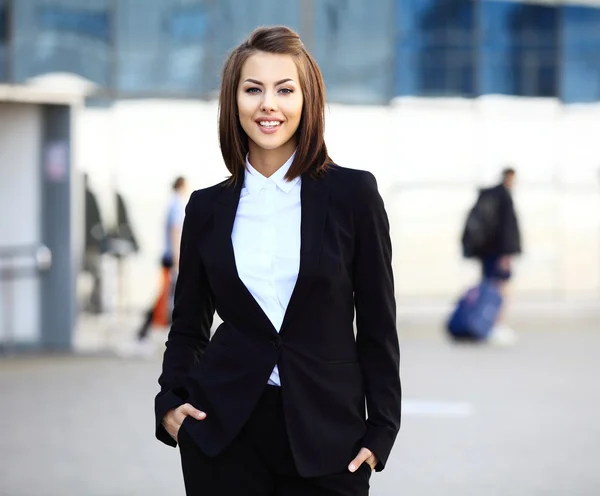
(269, 100)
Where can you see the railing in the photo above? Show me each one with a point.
(18, 262)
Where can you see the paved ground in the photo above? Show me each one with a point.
(478, 421)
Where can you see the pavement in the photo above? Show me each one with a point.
(478, 420)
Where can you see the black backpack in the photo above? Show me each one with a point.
(480, 225)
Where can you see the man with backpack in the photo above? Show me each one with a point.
(492, 236)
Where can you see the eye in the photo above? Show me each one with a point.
(286, 91)
(252, 90)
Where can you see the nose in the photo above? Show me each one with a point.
(268, 103)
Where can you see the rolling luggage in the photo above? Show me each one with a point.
(475, 313)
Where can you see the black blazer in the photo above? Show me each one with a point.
(326, 372)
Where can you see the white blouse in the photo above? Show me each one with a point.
(266, 241)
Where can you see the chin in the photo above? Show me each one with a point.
(267, 144)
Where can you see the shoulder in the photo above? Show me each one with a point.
(202, 198)
(499, 190)
(501, 194)
(490, 192)
(356, 191)
(352, 181)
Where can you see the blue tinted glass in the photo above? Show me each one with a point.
(68, 20)
(162, 47)
(581, 54)
(3, 42)
(66, 36)
(353, 43)
(187, 24)
(519, 49)
(435, 48)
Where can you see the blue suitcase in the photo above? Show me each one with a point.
(475, 313)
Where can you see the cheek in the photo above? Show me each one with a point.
(245, 115)
(295, 110)
(245, 108)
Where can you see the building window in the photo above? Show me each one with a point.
(66, 36)
(3, 22)
(581, 54)
(352, 42)
(162, 47)
(187, 24)
(519, 49)
(436, 51)
(89, 23)
(3, 41)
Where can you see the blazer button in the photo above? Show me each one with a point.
(276, 343)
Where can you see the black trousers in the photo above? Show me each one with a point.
(259, 462)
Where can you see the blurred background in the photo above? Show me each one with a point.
(104, 102)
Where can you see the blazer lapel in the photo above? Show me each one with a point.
(314, 197)
(225, 210)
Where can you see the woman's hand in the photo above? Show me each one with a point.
(174, 418)
(365, 455)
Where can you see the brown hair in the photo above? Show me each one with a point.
(311, 152)
(508, 171)
(178, 183)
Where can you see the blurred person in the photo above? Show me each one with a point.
(95, 246)
(492, 235)
(285, 250)
(121, 243)
(124, 228)
(159, 314)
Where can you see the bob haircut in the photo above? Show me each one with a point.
(311, 152)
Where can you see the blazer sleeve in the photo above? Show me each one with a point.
(377, 337)
(193, 314)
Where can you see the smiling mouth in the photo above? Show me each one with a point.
(269, 124)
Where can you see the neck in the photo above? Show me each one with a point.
(267, 162)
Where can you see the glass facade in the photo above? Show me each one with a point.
(351, 41)
(62, 36)
(436, 47)
(161, 47)
(580, 74)
(3, 41)
(369, 52)
(519, 49)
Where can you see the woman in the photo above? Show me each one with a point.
(285, 251)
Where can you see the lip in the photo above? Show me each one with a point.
(266, 130)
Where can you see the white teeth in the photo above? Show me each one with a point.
(269, 123)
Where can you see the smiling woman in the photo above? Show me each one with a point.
(269, 101)
(287, 251)
(272, 78)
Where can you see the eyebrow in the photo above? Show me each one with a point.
(281, 81)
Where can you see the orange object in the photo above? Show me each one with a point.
(160, 316)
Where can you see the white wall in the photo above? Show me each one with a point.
(20, 141)
(448, 147)
(428, 156)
